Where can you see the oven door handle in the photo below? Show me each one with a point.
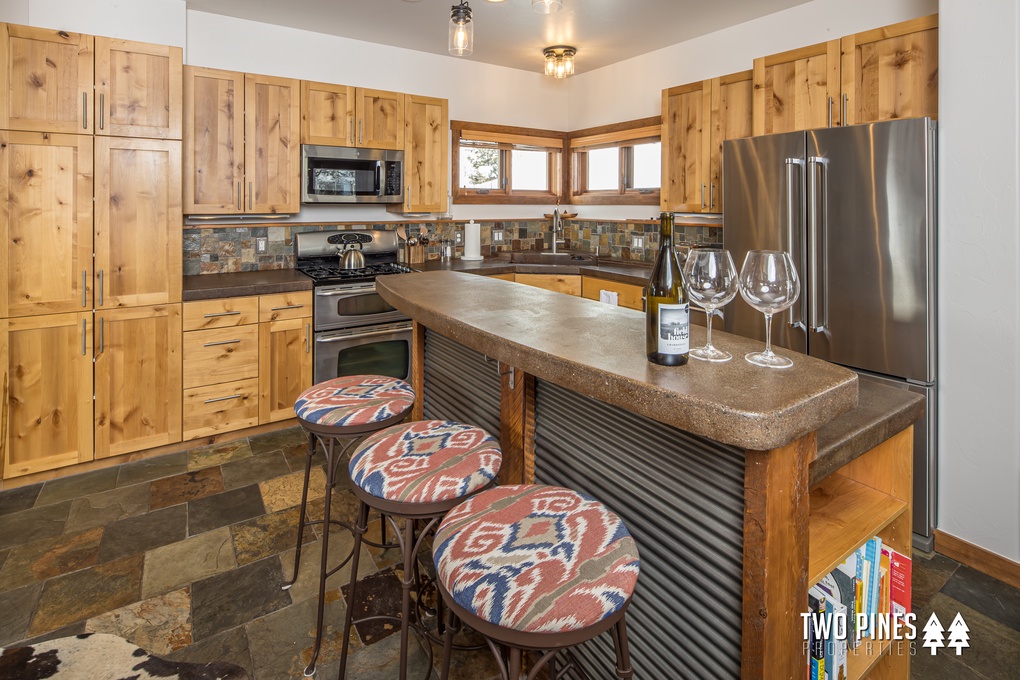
(341, 338)
(345, 293)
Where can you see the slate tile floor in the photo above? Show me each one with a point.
(185, 554)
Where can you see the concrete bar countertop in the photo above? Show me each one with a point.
(598, 350)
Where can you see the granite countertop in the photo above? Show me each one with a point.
(238, 284)
(598, 350)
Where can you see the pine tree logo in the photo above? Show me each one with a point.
(958, 634)
(933, 633)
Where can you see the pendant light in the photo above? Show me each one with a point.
(546, 6)
(462, 30)
(559, 61)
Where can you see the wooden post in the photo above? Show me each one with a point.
(514, 408)
(418, 370)
(776, 509)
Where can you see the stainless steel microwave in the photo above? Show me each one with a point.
(340, 174)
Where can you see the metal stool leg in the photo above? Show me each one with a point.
(623, 669)
(452, 625)
(303, 513)
(406, 582)
(515, 664)
(359, 532)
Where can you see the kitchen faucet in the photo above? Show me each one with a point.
(557, 228)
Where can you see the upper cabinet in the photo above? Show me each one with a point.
(426, 153)
(241, 143)
(696, 120)
(891, 72)
(55, 81)
(797, 90)
(327, 114)
(380, 119)
(138, 89)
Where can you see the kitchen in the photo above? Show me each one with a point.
(977, 498)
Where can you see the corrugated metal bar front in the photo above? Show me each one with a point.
(682, 497)
(460, 384)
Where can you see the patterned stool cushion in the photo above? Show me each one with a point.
(428, 461)
(535, 558)
(354, 400)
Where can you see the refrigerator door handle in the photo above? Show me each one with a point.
(794, 175)
(816, 242)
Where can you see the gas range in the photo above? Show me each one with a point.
(326, 271)
(318, 255)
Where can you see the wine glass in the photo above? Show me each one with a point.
(769, 283)
(711, 283)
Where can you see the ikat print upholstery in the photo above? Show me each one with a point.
(354, 400)
(427, 461)
(536, 558)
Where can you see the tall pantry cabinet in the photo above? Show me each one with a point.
(90, 240)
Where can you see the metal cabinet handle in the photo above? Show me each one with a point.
(711, 195)
(215, 314)
(251, 194)
(84, 325)
(232, 396)
(102, 117)
(830, 111)
(843, 120)
(361, 130)
(102, 344)
(407, 200)
(308, 338)
(816, 215)
(84, 110)
(84, 288)
(240, 205)
(221, 342)
(793, 176)
(276, 309)
(702, 196)
(101, 287)
(351, 136)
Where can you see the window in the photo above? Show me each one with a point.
(620, 164)
(501, 164)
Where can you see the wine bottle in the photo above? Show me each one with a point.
(667, 309)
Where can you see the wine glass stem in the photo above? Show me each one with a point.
(708, 327)
(768, 334)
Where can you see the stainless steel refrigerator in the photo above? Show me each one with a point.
(855, 206)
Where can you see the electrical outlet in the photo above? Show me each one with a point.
(261, 245)
(637, 241)
(458, 237)
(497, 235)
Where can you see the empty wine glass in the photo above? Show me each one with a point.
(769, 283)
(711, 283)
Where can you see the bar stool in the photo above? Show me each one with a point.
(350, 408)
(536, 568)
(417, 471)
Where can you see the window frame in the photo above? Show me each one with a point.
(623, 136)
(507, 139)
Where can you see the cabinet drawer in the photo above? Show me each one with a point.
(221, 355)
(205, 314)
(221, 408)
(280, 306)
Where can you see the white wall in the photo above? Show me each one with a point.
(156, 21)
(979, 278)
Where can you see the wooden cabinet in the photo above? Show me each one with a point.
(46, 79)
(137, 222)
(426, 153)
(327, 114)
(137, 378)
(502, 277)
(285, 353)
(696, 119)
(798, 89)
(221, 355)
(629, 295)
(891, 72)
(45, 392)
(241, 151)
(138, 89)
(380, 123)
(45, 208)
(561, 283)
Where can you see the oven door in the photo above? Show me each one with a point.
(352, 304)
(372, 350)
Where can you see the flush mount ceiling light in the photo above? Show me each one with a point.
(559, 61)
(546, 6)
(462, 30)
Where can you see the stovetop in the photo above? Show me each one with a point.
(324, 272)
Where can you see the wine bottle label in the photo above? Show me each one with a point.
(674, 329)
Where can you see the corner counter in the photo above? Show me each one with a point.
(710, 465)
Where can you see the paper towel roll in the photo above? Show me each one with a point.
(472, 241)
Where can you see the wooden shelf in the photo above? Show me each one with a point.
(861, 660)
(844, 515)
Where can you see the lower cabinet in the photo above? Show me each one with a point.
(561, 283)
(285, 353)
(628, 294)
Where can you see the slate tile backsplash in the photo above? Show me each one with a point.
(232, 249)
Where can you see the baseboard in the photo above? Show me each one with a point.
(987, 562)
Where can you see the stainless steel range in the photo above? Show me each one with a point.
(356, 331)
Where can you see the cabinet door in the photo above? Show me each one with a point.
(380, 119)
(45, 392)
(138, 222)
(892, 72)
(426, 150)
(213, 164)
(45, 223)
(797, 90)
(327, 114)
(560, 283)
(138, 378)
(138, 86)
(685, 147)
(272, 152)
(731, 118)
(285, 366)
(45, 80)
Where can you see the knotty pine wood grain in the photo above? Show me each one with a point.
(138, 89)
(213, 164)
(327, 114)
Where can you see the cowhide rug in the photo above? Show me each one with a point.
(98, 656)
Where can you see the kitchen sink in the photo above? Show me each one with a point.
(535, 257)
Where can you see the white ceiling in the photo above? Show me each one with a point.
(509, 33)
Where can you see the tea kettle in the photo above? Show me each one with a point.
(352, 257)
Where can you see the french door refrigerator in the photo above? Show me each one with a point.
(855, 207)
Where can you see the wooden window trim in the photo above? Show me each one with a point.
(623, 136)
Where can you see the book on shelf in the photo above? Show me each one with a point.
(847, 578)
(900, 580)
(886, 572)
(816, 647)
(836, 634)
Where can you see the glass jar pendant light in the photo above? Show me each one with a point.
(462, 30)
(559, 61)
(546, 6)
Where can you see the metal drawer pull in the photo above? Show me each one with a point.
(276, 309)
(232, 396)
(215, 314)
(221, 342)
